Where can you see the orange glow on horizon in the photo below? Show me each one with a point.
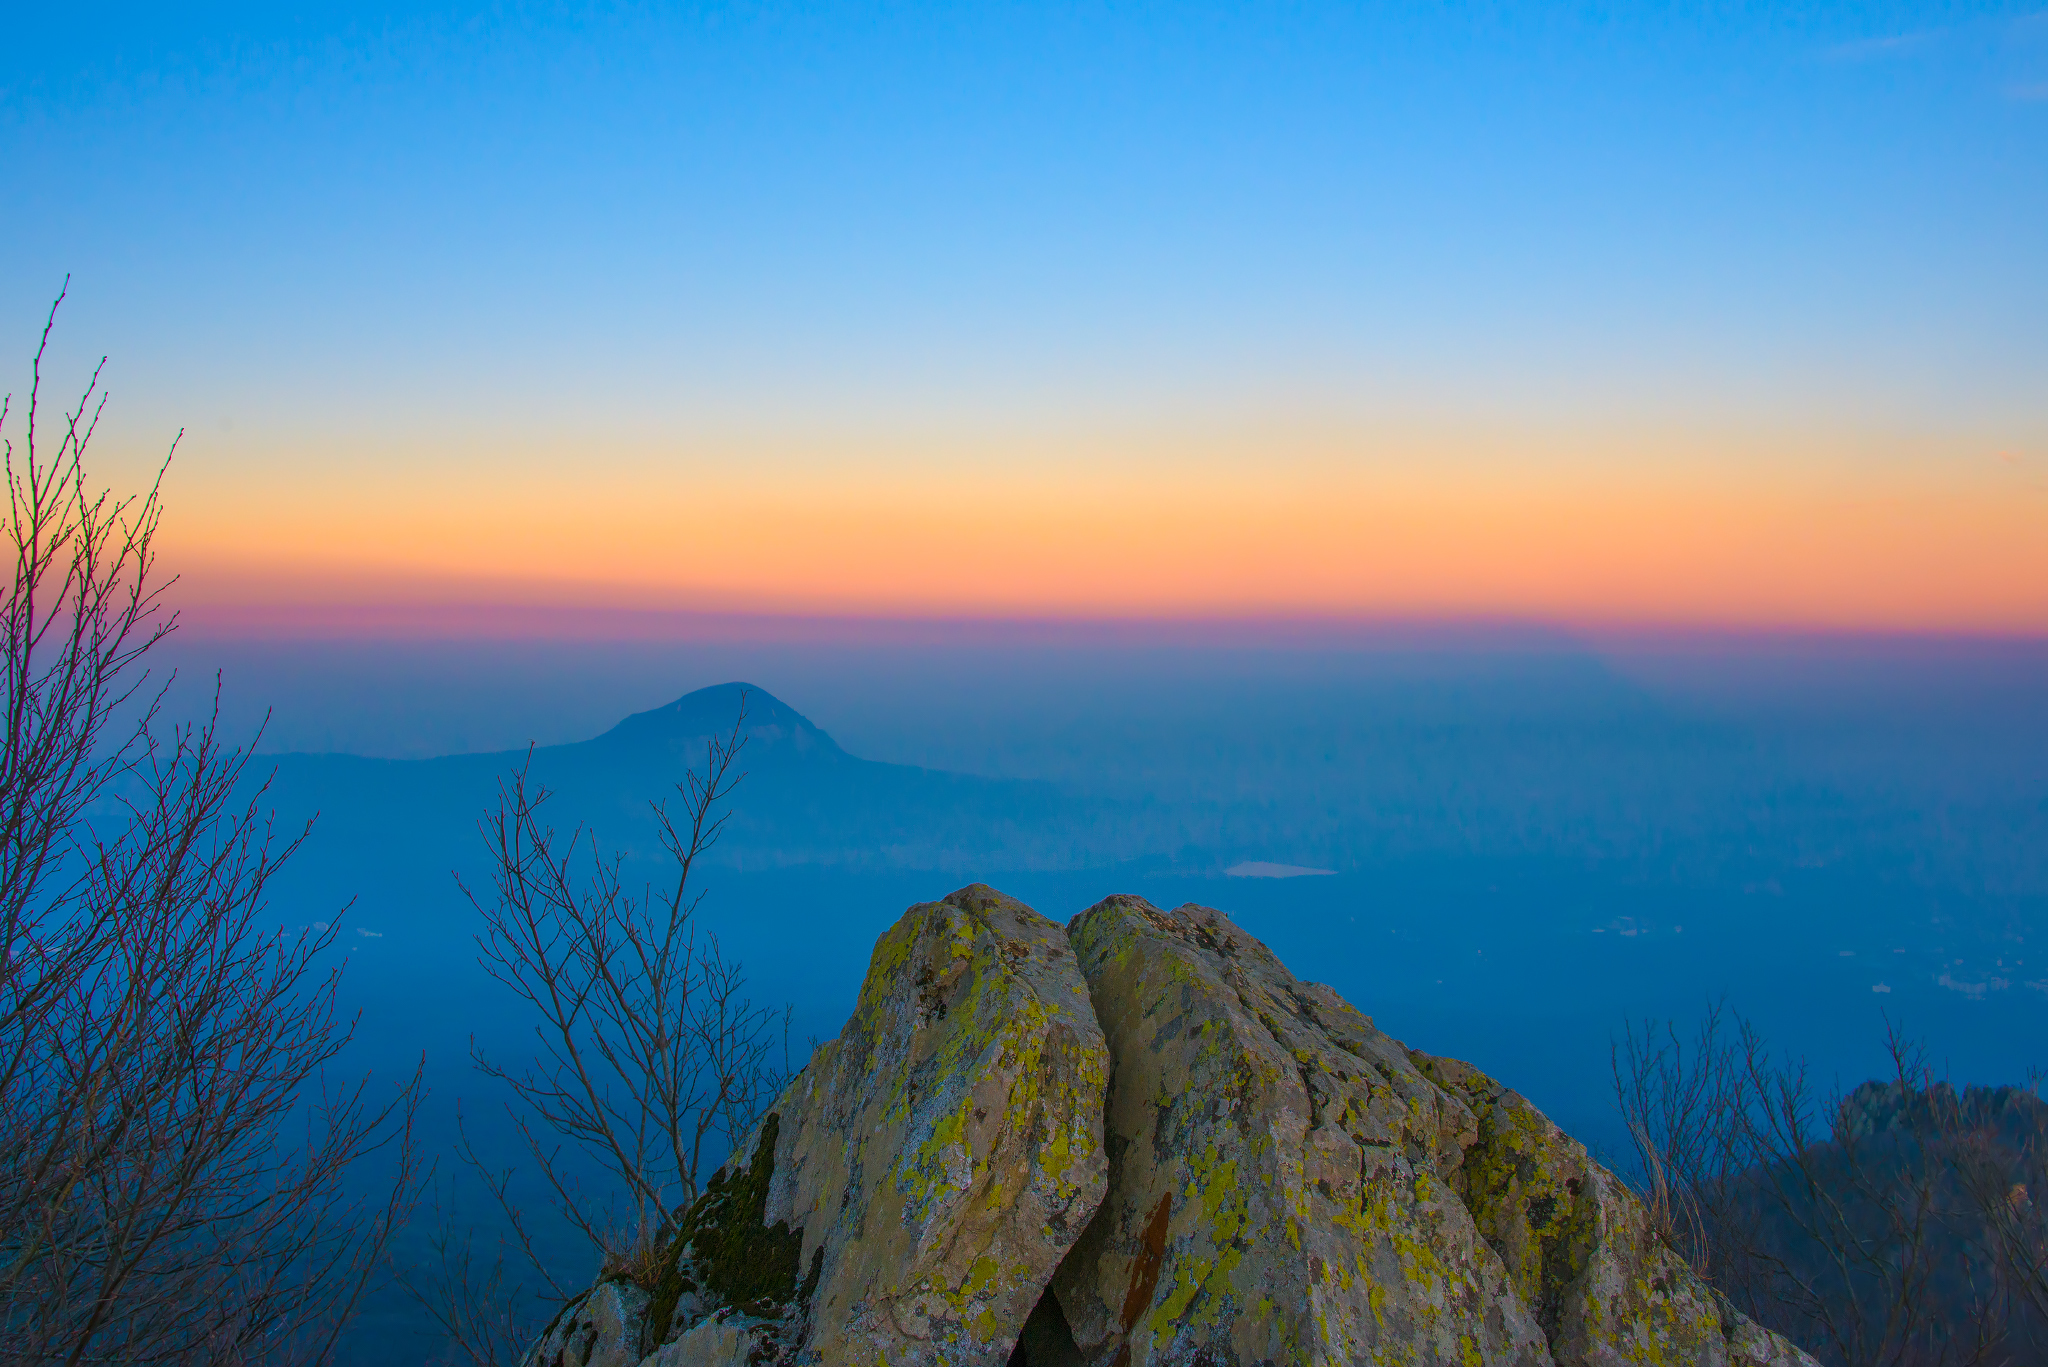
(1954, 540)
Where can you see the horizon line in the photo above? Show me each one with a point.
(484, 622)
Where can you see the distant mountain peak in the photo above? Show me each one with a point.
(772, 724)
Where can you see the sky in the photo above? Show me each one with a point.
(508, 318)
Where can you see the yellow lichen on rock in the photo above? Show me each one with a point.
(1290, 1185)
(1579, 1246)
(941, 1155)
(1142, 1142)
(1271, 1172)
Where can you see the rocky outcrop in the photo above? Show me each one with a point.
(908, 1196)
(1278, 1171)
(1289, 1184)
(1262, 1175)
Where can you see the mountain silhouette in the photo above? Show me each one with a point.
(772, 727)
(803, 800)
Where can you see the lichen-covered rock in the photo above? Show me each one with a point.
(1262, 1175)
(730, 1273)
(714, 1342)
(1290, 1185)
(911, 1191)
(1752, 1345)
(1579, 1245)
(1279, 1171)
(605, 1327)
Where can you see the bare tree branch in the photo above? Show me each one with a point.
(650, 1059)
(1859, 1225)
(172, 1149)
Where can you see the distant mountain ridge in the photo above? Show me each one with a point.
(804, 799)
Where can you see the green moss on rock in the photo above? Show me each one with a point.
(723, 1247)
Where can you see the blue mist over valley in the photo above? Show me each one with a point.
(1502, 845)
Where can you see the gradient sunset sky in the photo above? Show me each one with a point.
(1730, 315)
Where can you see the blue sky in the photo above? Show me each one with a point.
(567, 233)
(599, 198)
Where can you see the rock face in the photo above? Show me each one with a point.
(1290, 1185)
(910, 1193)
(1263, 1177)
(1578, 1245)
(601, 1329)
(1279, 1168)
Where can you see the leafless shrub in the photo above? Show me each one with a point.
(1678, 1100)
(481, 1312)
(2003, 1168)
(1852, 1223)
(171, 1154)
(650, 1059)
